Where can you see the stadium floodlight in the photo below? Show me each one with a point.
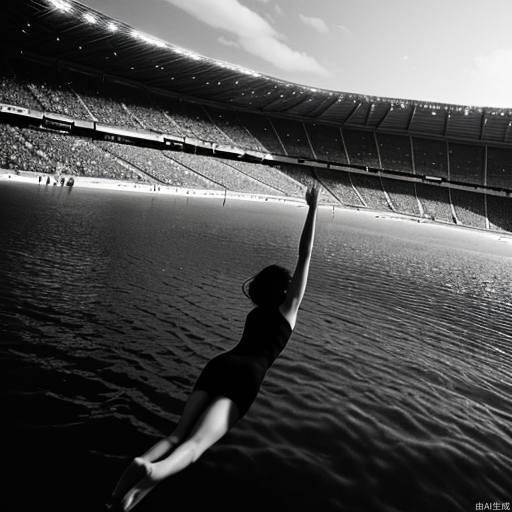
(235, 67)
(186, 53)
(61, 5)
(112, 27)
(90, 18)
(192, 55)
(147, 39)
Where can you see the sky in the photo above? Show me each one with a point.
(450, 51)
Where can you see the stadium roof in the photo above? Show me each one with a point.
(70, 32)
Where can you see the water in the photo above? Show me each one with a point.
(394, 393)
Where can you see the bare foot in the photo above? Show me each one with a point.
(140, 489)
(136, 471)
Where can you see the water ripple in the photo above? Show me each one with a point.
(394, 393)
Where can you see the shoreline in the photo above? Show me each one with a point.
(144, 188)
(86, 182)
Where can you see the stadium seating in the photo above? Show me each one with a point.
(193, 121)
(361, 148)
(293, 137)
(220, 173)
(469, 208)
(13, 92)
(280, 183)
(370, 189)
(52, 89)
(327, 143)
(430, 157)
(75, 155)
(155, 164)
(402, 195)
(261, 128)
(395, 152)
(139, 105)
(229, 123)
(466, 163)
(499, 167)
(46, 151)
(100, 98)
(499, 211)
(307, 177)
(339, 184)
(435, 201)
(153, 118)
(52, 152)
(17, 154)
(91, 96)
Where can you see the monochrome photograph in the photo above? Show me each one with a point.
(256, 255)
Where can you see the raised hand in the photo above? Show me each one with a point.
(312, 195)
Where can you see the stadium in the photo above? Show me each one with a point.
(160, 180)
(75, 81)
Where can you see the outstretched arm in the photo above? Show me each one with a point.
(290, 306)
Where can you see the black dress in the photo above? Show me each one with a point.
(238, 373)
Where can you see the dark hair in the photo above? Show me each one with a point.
(268, 287)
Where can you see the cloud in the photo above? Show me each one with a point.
(345, 30)
(227, 42)
(252, 32)
(490, 79)
(317, 23)
(278, 9)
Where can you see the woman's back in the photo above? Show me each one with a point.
(265, 334)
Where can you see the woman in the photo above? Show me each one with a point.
(230, 382)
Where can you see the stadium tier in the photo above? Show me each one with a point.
(395, 152)
(236, 129)
(361, 148)
(229, 122)
(262, 130)
(327, 143)
(273, 178)
(499, 213)
(340, 186)
(466, 164)
(25, 149)
(470, 208)
(372, 193)
(52, 152)
(435, 202)
(18, 155)
(88, 96)
(307, 177)
(293, 138)
(222, 174)
(154, 164)
(402, 195)
(430, 157)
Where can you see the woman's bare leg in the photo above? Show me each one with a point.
(195, 406)
(219, 417)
